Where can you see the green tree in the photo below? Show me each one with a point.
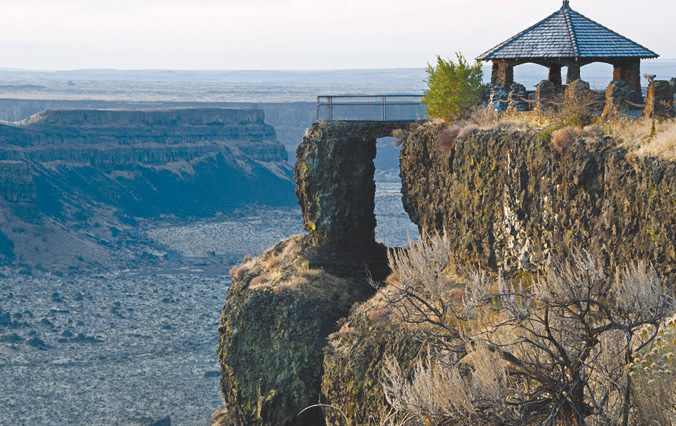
(453, 88)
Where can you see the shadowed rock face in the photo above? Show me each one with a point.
(508, 200)
(336, 191)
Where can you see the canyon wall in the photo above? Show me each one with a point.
(80, 167)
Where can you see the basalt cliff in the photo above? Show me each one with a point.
(303, 337)
(96, 170)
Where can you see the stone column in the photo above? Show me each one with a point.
(502, 73)
(573, 73)
(555, 75)
(660, 100)
(630, 71)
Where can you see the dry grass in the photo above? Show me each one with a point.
(284, 271)
(563, 138)
(442, 389)
(640, 137)
(539, 337)
(663, 144)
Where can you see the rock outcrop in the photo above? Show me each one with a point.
(278, 313)
(283, 305)
(508, 200)
(336, 192)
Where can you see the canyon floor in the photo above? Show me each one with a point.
(130, 347)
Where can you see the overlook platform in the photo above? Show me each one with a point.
(369, 108)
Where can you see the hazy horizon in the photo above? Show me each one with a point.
(287, 34)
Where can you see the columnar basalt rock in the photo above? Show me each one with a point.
(510, 201)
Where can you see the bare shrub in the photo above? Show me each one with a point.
(379, 316)
(563, 138)
(258, 282)
(652, 373)
(237, 272)
(447, 138)
(467, 131)
(565, 340)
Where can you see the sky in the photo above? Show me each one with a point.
(290, 34)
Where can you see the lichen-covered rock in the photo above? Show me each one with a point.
(660, 100)
(617, 95)
(278, 314)
(509, 200)
(353, 364)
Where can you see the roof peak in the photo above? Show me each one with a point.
(566, 5)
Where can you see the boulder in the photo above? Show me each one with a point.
(498, 98)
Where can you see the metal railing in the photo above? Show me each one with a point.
(330, 103)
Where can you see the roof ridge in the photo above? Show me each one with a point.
(506, 42)
(569, 24)
(612, 31)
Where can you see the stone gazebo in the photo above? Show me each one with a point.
(567, 38)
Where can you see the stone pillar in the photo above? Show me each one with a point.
(545, 94)
(555, 75)
(502, 73)
(660, 100)
(573, 73)
(630, 71)
(617, 94)
(335, 187)
(516, 102)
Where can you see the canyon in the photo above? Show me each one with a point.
(73, 181)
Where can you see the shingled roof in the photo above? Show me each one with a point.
(567, 34)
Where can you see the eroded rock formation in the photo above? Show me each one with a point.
(282, 305)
